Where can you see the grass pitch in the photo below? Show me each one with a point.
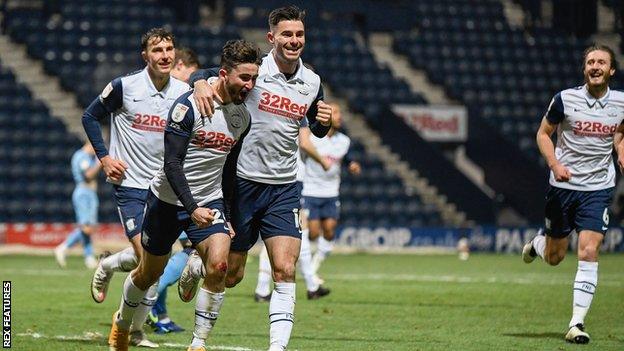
(378, 302)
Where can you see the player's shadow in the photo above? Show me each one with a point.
(547, 335)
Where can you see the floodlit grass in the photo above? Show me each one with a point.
(378, 302)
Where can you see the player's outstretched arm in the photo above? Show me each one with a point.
(547, 149)
(306, 145)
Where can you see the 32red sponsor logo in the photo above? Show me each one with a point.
(593, 128)
(149, 122)
(282, 106)
(213, 140)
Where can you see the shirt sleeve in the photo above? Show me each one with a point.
(203, 74)
(555, 113)
(109, 101)
(177, 138)
(316, 127)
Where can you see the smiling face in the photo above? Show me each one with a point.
(598, 68)
(239, 81)
(159, 56)
(288, 40)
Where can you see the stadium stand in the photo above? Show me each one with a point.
(505, 77)
(35, 150)
(98, 42)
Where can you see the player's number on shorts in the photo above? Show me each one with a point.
(605, 217)
(297, 219)
(217, 217)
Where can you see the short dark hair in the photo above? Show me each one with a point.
(236, 52)
(160, 33)
(287, 13)
(188, 56)
(600, 47)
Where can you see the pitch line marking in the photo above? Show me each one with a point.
(91, 336)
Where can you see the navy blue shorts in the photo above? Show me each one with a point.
(131, 208)
(164, 222)
(264, 209)
(579, 210)
(322, 207)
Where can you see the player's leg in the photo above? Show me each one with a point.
(247, 200)
(138, 292)
(585, 283)
(170, 276)
(283, 252)
(314, 288)
(131, 207)
(314, 228)
(325, 245)
(551, 244)
(87, 232)
(213, 249)
(263, 287)
(281, 232)
(160, 231)
(83, 209)
(328, 212)
(88, 229)
(592, 221)
(60, 252)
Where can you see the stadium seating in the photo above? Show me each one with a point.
(35, 152)
(505, 76)
(97, 42)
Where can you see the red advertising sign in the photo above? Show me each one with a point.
(52, 234)
(436, 122)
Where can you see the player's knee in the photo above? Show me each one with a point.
(588, 254)
(284, 273)
(233, 278)
(217, 270)
(329, 234)
(554, 258)
(313, 232)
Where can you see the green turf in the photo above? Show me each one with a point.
(378, 302)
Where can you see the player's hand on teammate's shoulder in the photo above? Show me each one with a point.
(324, 113)
(202, 217)
(113, 168)
(204, 97)
(355, 168)
(562, 174)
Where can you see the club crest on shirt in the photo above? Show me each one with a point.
(178, 112)
(236, 120)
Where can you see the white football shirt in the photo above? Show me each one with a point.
(138, 122)
(585, 136)
(278, 106)
(317, 181)
(211, 139)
